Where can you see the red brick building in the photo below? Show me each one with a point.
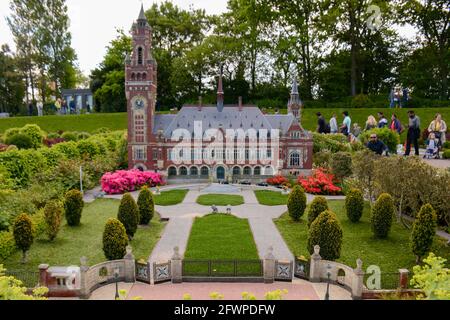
(282, 145)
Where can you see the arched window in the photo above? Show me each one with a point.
(172, 172)
(294, 159)
(257, 171)
(144, 76)
(193, 171)
(183, 171)
(247, 171)
(133, 76)
(138, 77)
(140, 55)
(268, 171)
(204, 172)
(236, 171)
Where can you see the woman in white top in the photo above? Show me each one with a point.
(439, 127)
(333, 124)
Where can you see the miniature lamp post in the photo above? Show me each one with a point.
(327, 295)
(116, 277)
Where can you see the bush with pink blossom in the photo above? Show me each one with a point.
(124, 181)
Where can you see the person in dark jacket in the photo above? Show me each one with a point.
(321, 124)
(395, 124)
(376, 145)
(413, 133)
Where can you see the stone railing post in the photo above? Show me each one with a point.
(269, 266)
(85, 291)
(43, 275)
(314, 269)
(130, 267)
(403, 281)
(358, 281)
(176, 266)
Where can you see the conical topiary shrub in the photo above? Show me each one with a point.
(423, 232)
(382, 215)
(146, 206)
(297, 203)
(23, 234)
(317, 206)
(73, 207)
(53, 213)
(354, 205)
(326, 231)
(115, 240)
(129, 214)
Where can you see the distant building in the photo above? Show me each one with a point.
(150, 136)
(82, 97)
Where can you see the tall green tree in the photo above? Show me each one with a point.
(12, 88)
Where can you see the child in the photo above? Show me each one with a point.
(431, 146)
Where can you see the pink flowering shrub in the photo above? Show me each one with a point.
(124, 181)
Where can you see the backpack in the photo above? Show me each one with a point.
(327, 128)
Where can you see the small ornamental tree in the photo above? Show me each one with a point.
(341, 165)
(326, 231)
(423, 232)
(354, 205)
(296, 203)
(115, 240)
(146, 206)
(382, 215)
(53, 212)
(317, 206)
(73, 206)
(129, 214)
(23, 234)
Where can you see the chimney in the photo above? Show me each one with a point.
(240, 104)
(200, 103)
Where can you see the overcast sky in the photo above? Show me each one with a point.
(94, 23)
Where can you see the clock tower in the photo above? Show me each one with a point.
(141, 92)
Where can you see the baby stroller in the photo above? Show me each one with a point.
(433, 147)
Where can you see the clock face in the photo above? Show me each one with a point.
(139, 103)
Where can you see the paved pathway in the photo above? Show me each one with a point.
(297, 290)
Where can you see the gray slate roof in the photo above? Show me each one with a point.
(230, 118)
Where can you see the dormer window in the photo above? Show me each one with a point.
(140, 56)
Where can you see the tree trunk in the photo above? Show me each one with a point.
(24, 257)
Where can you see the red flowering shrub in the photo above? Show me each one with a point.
(320, 183)
(124, 181)
(277, 181)
(3, 147)
(52, 142)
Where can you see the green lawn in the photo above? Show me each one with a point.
(271, 198)
(221, 237)
(170, 198)
(118, 121)
(85, 240)
(390, 254)
(220, 200)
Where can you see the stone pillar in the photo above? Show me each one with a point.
(314, 269)
(176, 266)
(130, 267)
(43, 275)
(269, 266)
(404, 275)
(358, 281)
(85, 291)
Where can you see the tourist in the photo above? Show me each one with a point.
(382, 121)
(346, 124)
(72, 107)
(40, 108)
(356, 130)
(333, 124)
(64, 107)
(432, 147)
(88, 108)
(58, 106)
(321, 124)
(396, 124)
(413, 133)
(376, 145)
(439, 128)
(30, 109)
(371, 123)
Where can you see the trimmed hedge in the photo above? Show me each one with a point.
(53, 212)
(297, 203)
(424, 231)
(88, 149)
(70, 136)
(23, 233)
(35, 133)
(354, 205)
(146, 206)
(129, 214)
(20, 140)
(115, 240)
(341, 164)
(7, 245)
(382, 215)
(73, 207)
(326, 231)
(317, 206)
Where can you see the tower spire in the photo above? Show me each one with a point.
(142, 13)
(220, 93)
